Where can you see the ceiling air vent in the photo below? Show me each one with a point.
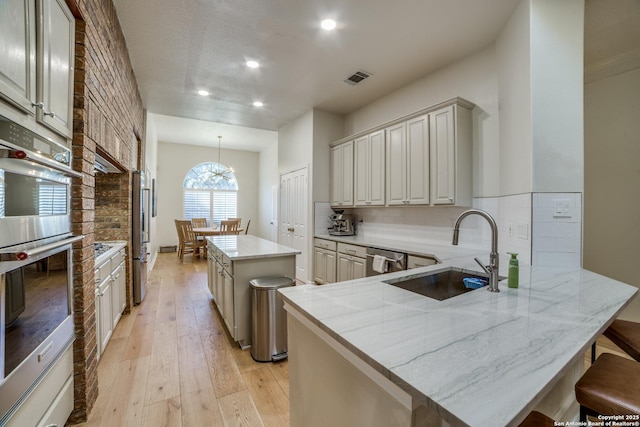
(357, 77)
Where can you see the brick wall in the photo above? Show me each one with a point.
(108, 115)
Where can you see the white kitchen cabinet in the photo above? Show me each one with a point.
(117, 303)
(36, 64)
(407, 162)
(342, 174)
(50, 402)
(450, 135)
(352, 262)
(324, 261)
(369, 168)
(227, 305)
(104, 307)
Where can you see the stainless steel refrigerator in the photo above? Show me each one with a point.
(140, 235)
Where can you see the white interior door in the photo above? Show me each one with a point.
(273, 224)
(294, 190)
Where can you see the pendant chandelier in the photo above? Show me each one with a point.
(222, 171)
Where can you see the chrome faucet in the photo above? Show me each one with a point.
(492, 268)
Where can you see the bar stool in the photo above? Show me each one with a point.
(537, 419)
(611, 386)
(624, 334)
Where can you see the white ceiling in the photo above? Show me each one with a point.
(180, 46)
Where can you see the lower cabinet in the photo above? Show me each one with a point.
(227, 300)
(51, 401)
(352, 261)
(324, 261)
(110, 297)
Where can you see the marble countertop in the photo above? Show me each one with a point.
(480, 358)
(240, 247)
(116, 245)
(440, 252)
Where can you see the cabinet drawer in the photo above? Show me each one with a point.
(102, 272)
(61, 408)
(359, 251)
(414, 261)
(117, 259)
(227, 264)
(325, 244)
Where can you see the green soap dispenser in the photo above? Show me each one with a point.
(512, 279)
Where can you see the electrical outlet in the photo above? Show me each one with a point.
(561, 208)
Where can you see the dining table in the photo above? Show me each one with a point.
(212, 231)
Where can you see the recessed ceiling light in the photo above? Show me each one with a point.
(328, 24)
(258, 104)
(203, 92)
(253, 64)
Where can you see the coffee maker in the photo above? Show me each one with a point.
(341, 224)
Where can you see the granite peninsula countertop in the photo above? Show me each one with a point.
(479, 358)
(241, 247)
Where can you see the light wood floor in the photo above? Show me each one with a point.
(171, 362)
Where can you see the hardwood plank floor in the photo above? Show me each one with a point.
(171, 362)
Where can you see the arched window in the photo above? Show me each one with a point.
(210, 191)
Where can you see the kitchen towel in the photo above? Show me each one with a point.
(379, 264)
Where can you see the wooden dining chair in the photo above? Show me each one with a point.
(239, 220)
(199, 222)
(246, 229)
(188, 241)
(229, 227)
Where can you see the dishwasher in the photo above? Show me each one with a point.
(394, 261)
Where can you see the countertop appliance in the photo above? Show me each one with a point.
(342, 224)
(389, 261)
(140, 235)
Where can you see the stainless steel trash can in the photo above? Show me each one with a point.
(268, 319)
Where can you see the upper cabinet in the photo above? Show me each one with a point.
(342, 174)
(451, 164)
(36, 64)
(369, 181)
(421, 159)
(408, 162)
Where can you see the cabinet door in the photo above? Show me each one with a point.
(358, 268)
(116, 307)
(98, 304)
(344, 268)
(219, 286)
(342, 174)
(330, 266)
(418, 161)
(376, 165)
(396, 160)
(18, 53)
(106, 326)
(55, 66)
(442, 135)
(361, 171)
(228, 304)
(319, 266)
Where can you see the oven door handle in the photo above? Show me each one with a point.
(29, 253)
(25, 155)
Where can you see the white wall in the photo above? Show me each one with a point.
(327, 127)
(612, 180)
(514, 88)
(175, 160)
(557, 64)
(295, 143)
(473, 78)
(268, 206)
(151, 160)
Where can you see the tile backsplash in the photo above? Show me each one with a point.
(543, 228)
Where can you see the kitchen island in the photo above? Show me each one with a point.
(365, 352)
(234, 260)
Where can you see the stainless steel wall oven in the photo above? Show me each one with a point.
(36, 263)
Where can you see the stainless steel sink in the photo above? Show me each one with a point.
(440, 285)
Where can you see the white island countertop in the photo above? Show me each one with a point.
(241, 247)
(480, 358)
